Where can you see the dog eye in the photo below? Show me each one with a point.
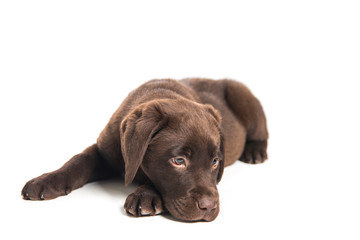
(215, 162)
(178, 161)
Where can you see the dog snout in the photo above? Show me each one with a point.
(207, 204)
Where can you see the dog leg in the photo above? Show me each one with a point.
(250, 113)
(144, 201)
(82, 168)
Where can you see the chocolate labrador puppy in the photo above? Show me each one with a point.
(174, 138)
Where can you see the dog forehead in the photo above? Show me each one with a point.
(195, 143)
(186, 141)
(194, 129)
(197, 123)
(188, 130)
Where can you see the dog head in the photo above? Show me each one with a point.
(178, 144)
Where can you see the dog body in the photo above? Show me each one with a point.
(174, 138)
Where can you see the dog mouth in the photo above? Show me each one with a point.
(189, 209)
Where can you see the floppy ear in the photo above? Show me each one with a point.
(136, 131)
(213, 112)
(222, 159)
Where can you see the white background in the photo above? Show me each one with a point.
(65, 66)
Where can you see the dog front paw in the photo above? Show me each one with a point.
(47, 186)
(254, 152)
(144, 201)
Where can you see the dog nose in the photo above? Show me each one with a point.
(207, 204)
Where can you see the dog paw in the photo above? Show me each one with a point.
(254, 152)
(47, 186)
(144, 201)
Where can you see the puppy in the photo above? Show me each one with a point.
(174, 138)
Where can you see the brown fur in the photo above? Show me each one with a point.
(208, 124)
